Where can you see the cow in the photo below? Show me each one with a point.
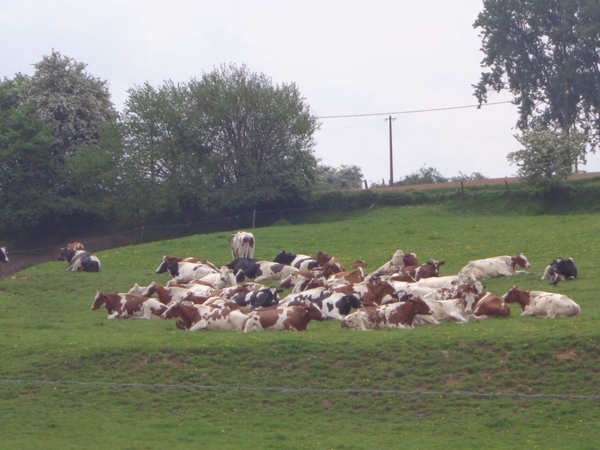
(371, 293)
(193, 317)
(399, 259)
(302, 262)
(394, 315)
(242, 245)
(291, 318)
(260, 298)
(449, 310)
(252, 269)
(75, 246)
(560, 270)
(415, 273)
(170, 294)
(487, 306)
(3, 255)
(352, 277)
(498, 266)
(79, 260)
(168, 263)
(330, 265)
(184, 272)
(334, 305)
(127, 306)
(542, 304)
(222, 279)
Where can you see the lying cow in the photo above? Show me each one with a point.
(261, 298)
(252, 269)
(542, 304)
(291, 318)
(127, 306)
(399, 260)
(393, 315)
(560, 270)
(79, 260)
(3, 255)
(302, 262)
(194, 317)
(498, 266)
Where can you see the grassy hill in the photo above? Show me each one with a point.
(70, 378)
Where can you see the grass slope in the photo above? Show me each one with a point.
(70, 378)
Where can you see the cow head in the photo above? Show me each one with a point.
(284, 258)
(3, 255)
(66, 254)
(521, 261)
(99, 300)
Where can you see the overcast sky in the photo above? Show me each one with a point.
(366, 59)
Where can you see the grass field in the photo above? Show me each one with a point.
(71, 379)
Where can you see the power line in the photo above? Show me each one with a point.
(414, 111)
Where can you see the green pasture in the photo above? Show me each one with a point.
(70, 379)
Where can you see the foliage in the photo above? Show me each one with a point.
(260, 135)
(70, 100)
(345, 177)
(76, 374)
(545, 53)
(548, 157)
(28, 170)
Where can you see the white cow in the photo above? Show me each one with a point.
(498, 266)
(242, 245)
(451, 310)
(542, 304)
(220, 280)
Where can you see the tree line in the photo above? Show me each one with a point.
(229, 141)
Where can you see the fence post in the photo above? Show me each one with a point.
(253, 217)
(142, 236)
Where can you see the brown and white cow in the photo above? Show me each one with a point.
(415, 273)
(242, 245)
(75, 246)
(399, 260)
(127, 306)
(277, 318)
(497, 266)
(542, 304)
(170, 294)
(372, 293)
(487, 306)
(194, 317)
(393, 315)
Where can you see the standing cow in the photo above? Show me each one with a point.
(3, 255)
(242, 245)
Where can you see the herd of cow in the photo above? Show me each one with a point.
(400, 294)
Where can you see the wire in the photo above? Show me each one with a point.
(414, 111)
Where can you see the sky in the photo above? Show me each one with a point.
(355, 63)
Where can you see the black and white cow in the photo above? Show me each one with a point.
(260, 298)
(251, 269)
(3, 255)
(79, 260)
(560, 270)
(302, 262)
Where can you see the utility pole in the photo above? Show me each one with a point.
(390, 119)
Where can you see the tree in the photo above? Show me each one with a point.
(260, 135)
(345, 177)
(547, 157)
(424, 175)
(165, 151)
(70, 100)
(545, 52)
(28, 171)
